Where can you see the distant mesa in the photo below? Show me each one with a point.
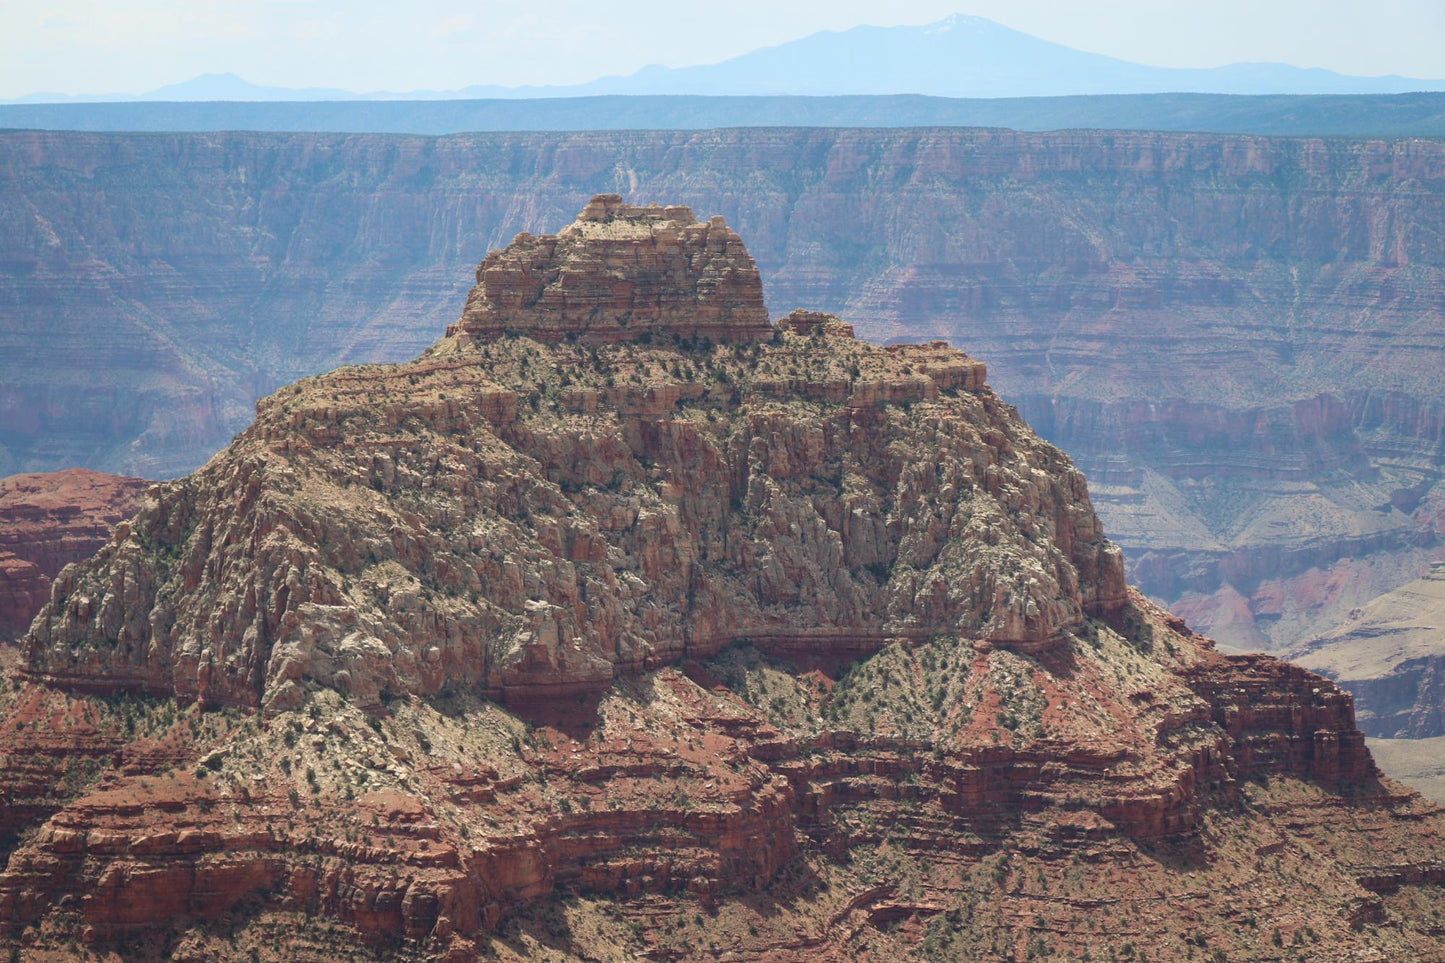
(621, 273)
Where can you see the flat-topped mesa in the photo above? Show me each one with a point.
(620, 273)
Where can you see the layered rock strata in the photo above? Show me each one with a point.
(787, 647)
(621, 273)
(1390, 655)
(48, 521)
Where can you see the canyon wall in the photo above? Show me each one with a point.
(48, 521)
(1420, 114)
(1390, 655)
(1237, 338)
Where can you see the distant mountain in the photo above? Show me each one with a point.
(230, 87)
(966, 56)
(961, 56)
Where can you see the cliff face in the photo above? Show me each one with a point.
(674, 643)
(47, 522)
(1236, 337)
(621, 273)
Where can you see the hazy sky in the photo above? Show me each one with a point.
(104, 46)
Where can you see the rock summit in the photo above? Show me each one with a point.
(621, 273)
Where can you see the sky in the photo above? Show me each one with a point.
(133, 46)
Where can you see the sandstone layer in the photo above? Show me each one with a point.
(1236, 337)
(683, 647)
(48, 521)
(621, 273)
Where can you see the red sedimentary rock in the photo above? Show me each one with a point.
(48, 521)
(621, 273)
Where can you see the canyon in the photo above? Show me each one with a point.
(625, 621)
(1236, 337)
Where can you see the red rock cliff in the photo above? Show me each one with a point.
(48, 521)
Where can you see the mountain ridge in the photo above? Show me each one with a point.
(959, 56)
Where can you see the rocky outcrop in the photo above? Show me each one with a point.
(787, 647)
(1283, 719)
(47, 522)
(621, 273)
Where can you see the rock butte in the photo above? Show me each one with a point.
(620, 273)
(578, 520)
(619, 622)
